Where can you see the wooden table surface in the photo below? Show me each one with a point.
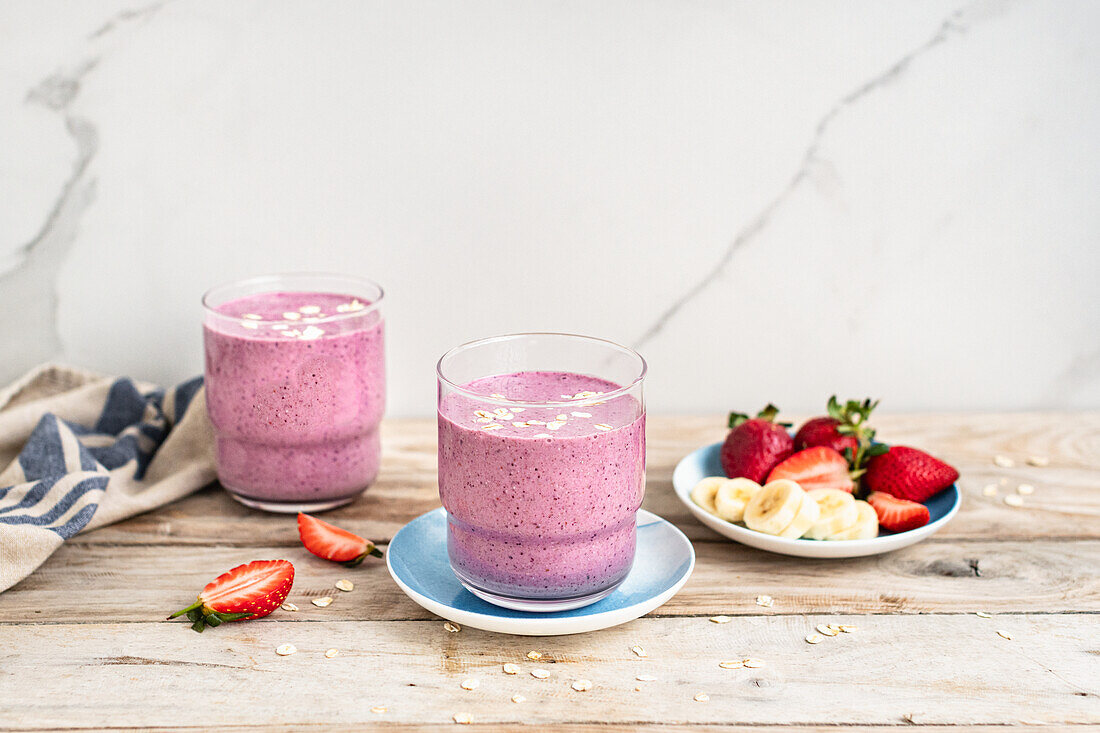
(83, 643)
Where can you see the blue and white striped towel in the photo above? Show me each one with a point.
(82, 451)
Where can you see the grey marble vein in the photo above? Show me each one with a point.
(955, 24)
(30, 285)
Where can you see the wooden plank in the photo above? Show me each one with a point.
(1066, 503)
(144, 583)
(894, 669)
(613, 728)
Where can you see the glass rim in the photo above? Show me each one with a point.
(605, 397)
(274, 278)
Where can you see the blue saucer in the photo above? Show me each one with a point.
(417, 560)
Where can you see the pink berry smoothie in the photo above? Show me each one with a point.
(295, 389)
(541, 501)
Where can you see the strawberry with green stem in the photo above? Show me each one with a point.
(754, 446)
(248, 591)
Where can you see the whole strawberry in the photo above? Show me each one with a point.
(908, 473)
(755, 445)
(844, 429)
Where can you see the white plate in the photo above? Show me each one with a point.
(705, 462)
(417, 560)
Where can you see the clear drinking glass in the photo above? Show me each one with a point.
(541, 466)
(295, 388)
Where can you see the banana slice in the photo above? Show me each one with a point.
(774, 507)
(808, 513)
(865, 528)
(704, 492)
(732, 497)
(838, 513)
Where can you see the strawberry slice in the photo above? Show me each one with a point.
(816, 468)
(246, 592)
(898, 515)
(332, 543)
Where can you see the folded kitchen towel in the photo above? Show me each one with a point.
(79, 451)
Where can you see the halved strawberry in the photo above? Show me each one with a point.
(815, 468)
(898, 515)
(247, 591)
(332, 543)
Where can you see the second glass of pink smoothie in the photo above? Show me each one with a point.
(295, 388)
(541, 467)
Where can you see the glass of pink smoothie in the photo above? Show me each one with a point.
(295, 388)
(541, 466)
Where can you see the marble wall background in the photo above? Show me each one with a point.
(772, 201)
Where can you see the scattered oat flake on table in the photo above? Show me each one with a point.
(828, 629)
(288, 606)
(765, 601)
(582, 685)
(286, 650)
(1004, 635)
(510, 668)
(378, 709)
(645, 678)
(983, 614)
(463, 718)
(1025, 489)
(814, 638)
(452, 627)
(322, 601)
(1014, 500)
(720, 619)
(638, 651)
(732, 664)
(1039, 461)
(701, 697)
(332, 653)
(540, 674)
(1003, 461)
(753, 662)
(345, 585)
(470, 684)
(518, 698)
(534, 655)
(990, 490)
(847, 629)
